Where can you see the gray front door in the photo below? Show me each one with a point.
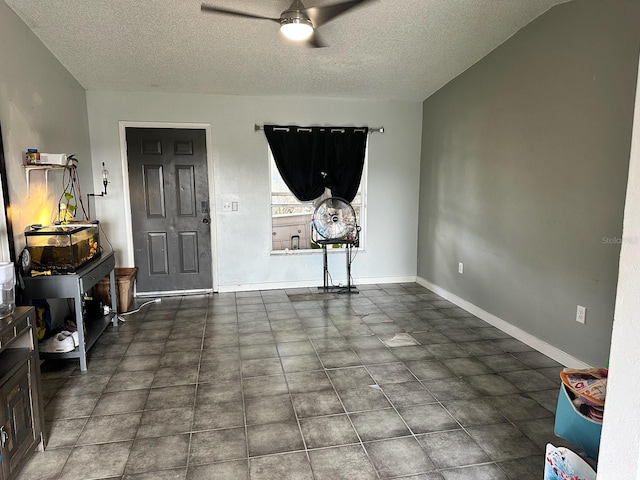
(170, 213)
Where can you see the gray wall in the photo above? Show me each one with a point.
(523, 175)
(240, 167)
(41, 106)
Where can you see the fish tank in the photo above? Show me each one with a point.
(62, 248)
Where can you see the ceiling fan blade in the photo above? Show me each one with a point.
(235, 13)
(321, 15)
(315, 41)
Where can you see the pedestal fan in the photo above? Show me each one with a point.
(334, 220)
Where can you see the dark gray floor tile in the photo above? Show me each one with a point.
(121, 402)
(341, 359)
(492, 333)
(254, 387)
(266, 350)
(261, 366)
(453, 448)
(350, 377)
(390, 373)
(379, 424)
(481, 348)
(364, 397)
(491, 385)
(398, 456)
(365, 343)
(479, 472)
(294, 333)
(170, 421)
(547, 398)
(64, 433)
(552, 373)
(376, 356)
(289, 349)
(225, 371)
(312, 404)
(465, 367)
(45, 465)
(407, 393)
(535, 359)
(528, 468)
(323, 345)
(529, 380)
(511, 345)
(169, 474)
(540, 432)
(269, 409)
(462, 334)
(504, 362)
(173, 376)
(90, 384)
(110, 428)
(158, 453)
(180, 359)
(288, 466)
(446, 350)
(181, 396)
(341, 463)
(139, 362)
(219, 392)
(155, 347)
(328, 431)
(519, 407)
(474, 412)
(416, 352)
(172, 474)
(302, 382)
(256, 337)
(429, 369)
(503, 442)
(427, 418)
(60, 408)
(274, 438)
(301, 363)
(106, 460)
(237, 469)
(451, 389)
(130, 381)
(209, 416)
(217, 445)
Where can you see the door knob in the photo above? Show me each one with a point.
(205, 221)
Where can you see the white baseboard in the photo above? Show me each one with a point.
(534, 342)
(312, 283)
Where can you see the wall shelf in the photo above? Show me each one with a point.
(44, 168)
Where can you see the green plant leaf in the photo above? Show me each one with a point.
(68, 196)
(72, 208)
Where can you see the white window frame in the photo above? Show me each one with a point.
(362, 189)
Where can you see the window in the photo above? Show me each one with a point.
(291, 219)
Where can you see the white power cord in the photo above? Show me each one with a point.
(120, 315)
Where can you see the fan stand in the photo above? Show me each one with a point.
(349, 244)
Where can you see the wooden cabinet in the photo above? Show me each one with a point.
(22, 415)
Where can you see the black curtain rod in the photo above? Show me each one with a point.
(371, 130)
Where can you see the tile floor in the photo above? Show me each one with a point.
(394, 382)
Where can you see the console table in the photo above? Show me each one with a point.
(74, 285)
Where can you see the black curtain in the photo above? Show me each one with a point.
(312, 158)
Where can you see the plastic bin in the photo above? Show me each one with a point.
(125, 278)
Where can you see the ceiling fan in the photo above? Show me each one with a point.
(297, 22)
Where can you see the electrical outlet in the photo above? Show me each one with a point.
(227, 207)
(581, 314)
(460, 268)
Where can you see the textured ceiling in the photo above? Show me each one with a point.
(387, 49)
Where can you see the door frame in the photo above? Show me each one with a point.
(123, 125)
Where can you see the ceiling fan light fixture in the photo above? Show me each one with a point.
(297, 28)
